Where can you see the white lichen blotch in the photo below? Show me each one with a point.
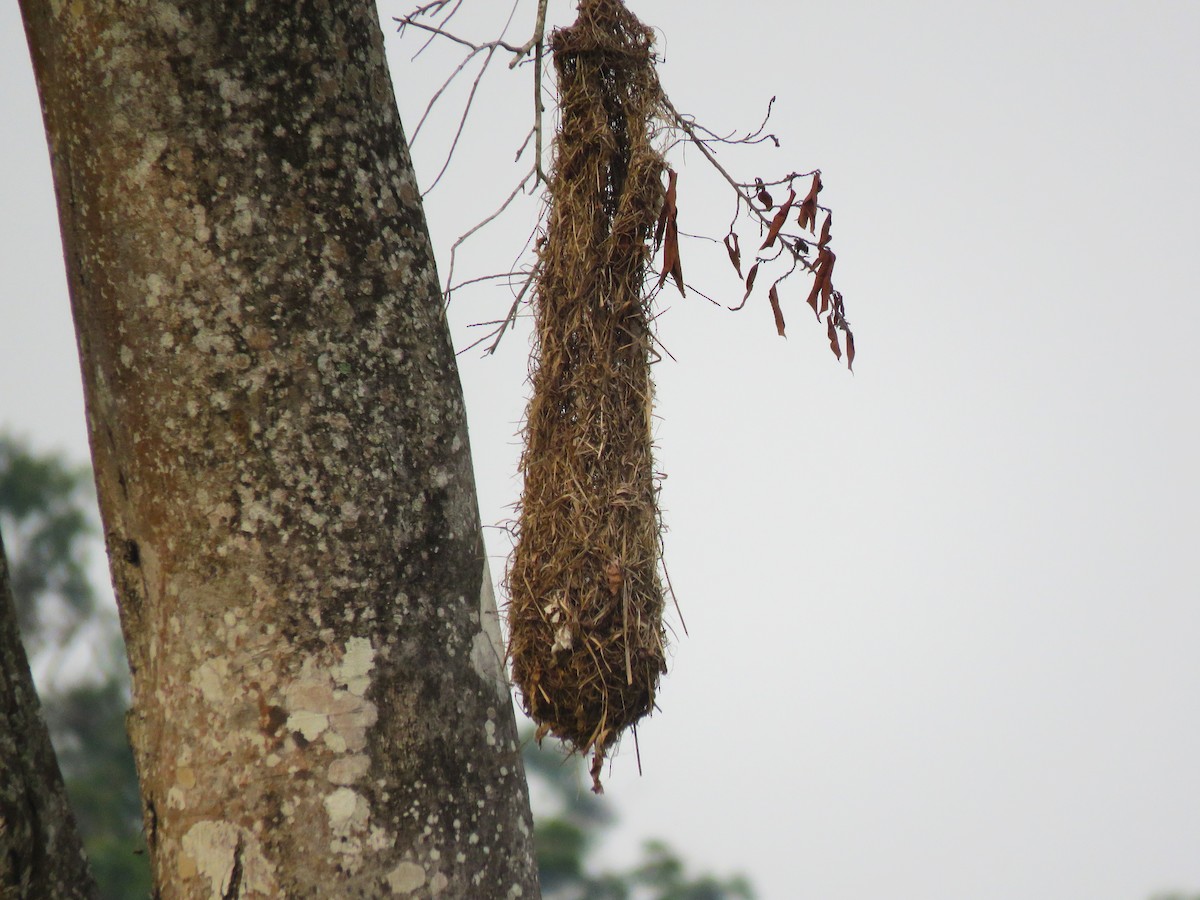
(347, 811)
(406, 878)
(211, 849)
(487, 647)
(355, 668)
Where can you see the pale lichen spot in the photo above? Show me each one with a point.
(380, 839)
(152, 149)
(155, 286)
(487, 647)
(243, 218)
(347, 810)
(215, 849)
(209, 679)
(308, 723)
(354, 669)
(406, 878)
(214, 342)
(348, 769)
(350, 717)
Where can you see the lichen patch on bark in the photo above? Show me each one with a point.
(406, 878)
(218, 852)
(487, 646)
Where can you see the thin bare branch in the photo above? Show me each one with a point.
(437, 95)
(750, 138)
(463, 237)
(451, 36)
(445, 19)
(539, 31)
(512, 311)
(462, 122)
(495, 276)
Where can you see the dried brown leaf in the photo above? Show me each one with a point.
(671, 264)
(667, 213)
(668, 233)
(749, 287)
(734, 251)
(825, 268)
(670, 254)
(677, 268)
(777, 222)
(764, 196)
(808, 209)
(816, 289)
(849, 349)
(774, 297)
(833, 338)
(824, 239)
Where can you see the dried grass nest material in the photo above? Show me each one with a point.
(586, 598)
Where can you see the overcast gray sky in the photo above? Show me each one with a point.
(944, 613)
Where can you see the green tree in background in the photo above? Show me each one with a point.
(87, 725)
(46, 515)
(44, 503)
(569, 820)
(47, 520)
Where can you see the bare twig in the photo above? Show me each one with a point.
(749, 138)
(462, 123)
(495, 276)
(497, 334)
(445, 19)
(438, 94)
(512, 311)
(537, 43)
(465, 235)
(451, 36)
(539, 31)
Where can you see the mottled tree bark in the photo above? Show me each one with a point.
(40, 851)
(320, 707)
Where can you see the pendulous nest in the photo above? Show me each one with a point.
(586, 598)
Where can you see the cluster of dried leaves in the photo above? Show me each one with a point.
(807, 250)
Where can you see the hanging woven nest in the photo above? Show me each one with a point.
(586, 598)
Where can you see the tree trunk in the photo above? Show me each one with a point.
(40, 851)
(319, 699)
